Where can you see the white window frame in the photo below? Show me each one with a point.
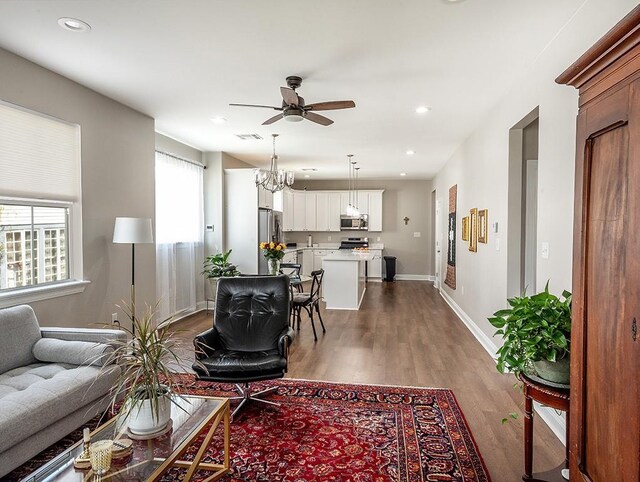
(75, 283)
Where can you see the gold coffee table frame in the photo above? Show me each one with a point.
(221, 414)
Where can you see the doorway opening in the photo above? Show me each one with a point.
(433, 256)
(522, 215)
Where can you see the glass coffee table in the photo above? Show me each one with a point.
(194, 417)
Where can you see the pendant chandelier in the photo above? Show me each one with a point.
(274, 179)
(352, 208)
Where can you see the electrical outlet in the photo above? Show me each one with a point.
(497, 244)
(378, 239)
(328, 238)
(462, 290)
(209, 228)
(417, 234)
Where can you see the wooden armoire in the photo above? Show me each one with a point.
(604, 440)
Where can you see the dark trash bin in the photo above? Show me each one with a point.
(390, 268)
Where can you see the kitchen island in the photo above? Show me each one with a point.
(344, 280)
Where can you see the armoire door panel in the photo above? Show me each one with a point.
(608, 384)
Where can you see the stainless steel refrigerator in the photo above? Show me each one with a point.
(269, 229)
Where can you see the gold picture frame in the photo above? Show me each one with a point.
(483, 229)
(473, 230)
(465, 228)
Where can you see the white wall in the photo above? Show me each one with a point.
(117, 180)
(480, 169)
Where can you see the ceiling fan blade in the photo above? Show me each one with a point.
(333, 105)
(254, 105)
(318, 119)
(289, 95)
(273, 119)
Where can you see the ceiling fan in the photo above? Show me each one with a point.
(294, 109)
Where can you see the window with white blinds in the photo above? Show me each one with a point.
(40, 206)
(39, 156)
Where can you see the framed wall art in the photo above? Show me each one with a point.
(450, 279)
(483, 230)
(473, 230)
(465, 228)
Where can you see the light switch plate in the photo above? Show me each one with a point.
(417, 234)
(497, 244)
(544, 252)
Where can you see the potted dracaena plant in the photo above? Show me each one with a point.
(536, 331)
(217, 266)
(147, 386)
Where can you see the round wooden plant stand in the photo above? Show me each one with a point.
(554, 397)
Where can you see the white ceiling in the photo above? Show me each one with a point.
(183, 61)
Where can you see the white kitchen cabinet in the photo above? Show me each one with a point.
(287, 210)
(265, 198)
(363, 202)
(334, 211)
(322, 211)
(318, 254)
(307, 262)
(375, 265)
(344, 202)
(310, 211)
(375, 211)
(299, 210)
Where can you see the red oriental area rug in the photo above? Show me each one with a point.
(343, 433)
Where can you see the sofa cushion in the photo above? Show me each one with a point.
(34, 396)
(71, 352)
(20, 331)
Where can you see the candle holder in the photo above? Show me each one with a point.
(82, 461)
(100, 456)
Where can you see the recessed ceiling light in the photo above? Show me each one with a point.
(403, 173)
(307, 175)
(410, 152)
(423, 109)
(218, 120)
(73, 24)
(312, 169)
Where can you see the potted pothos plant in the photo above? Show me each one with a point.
(147, 386)
(536, 331)
(217, 266)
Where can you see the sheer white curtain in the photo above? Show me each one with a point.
(179, 233)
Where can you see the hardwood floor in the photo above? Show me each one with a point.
(405, 334)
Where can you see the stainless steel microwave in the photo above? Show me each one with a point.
(354, 223)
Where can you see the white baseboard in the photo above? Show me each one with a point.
(486, 342)
(415, 277)
(556, 422)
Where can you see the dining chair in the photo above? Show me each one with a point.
(310, 302)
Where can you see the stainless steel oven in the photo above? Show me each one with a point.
(354, 223)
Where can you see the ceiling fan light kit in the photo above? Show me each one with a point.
(294, 108)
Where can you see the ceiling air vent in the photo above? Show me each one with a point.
(250, 137)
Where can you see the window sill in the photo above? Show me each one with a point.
(39, 293)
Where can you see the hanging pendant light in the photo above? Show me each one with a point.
(350, 207)
(274, 179)
(356, 191)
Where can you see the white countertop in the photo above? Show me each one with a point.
(329, 246)
(346, 255)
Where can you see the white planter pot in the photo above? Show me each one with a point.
(143, 421)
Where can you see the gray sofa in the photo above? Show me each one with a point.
(52, 380)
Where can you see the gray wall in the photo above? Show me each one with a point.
(117, 180)
(401, 198)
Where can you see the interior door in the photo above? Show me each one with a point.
(438, 245)
(606, 388)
